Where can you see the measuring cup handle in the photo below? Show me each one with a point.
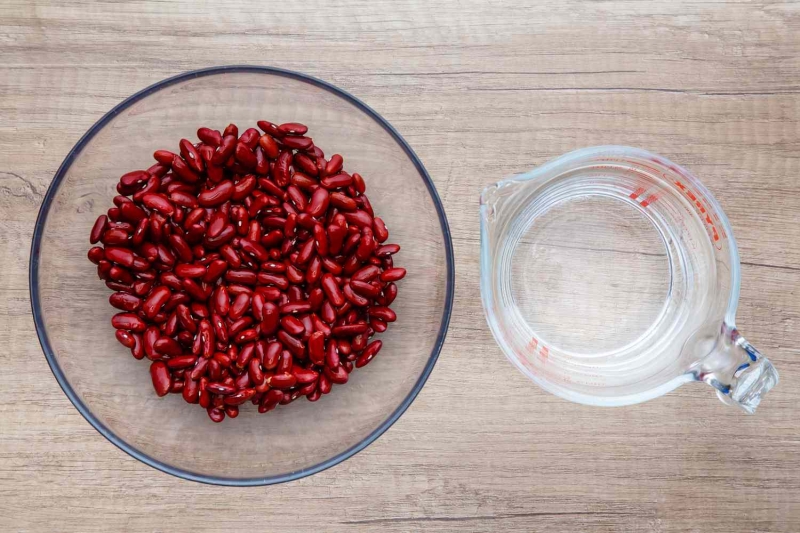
(739, 373)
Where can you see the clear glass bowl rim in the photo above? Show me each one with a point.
(33, 276)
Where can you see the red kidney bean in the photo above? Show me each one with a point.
(191, 390)
(338, 375)
(220, 194)
(157, 298)
(381, 233)
(96, 254)
(191, 156)
(297, 197)
(125, 338)
(199, 369)
(140, 232)
(117, 286)
(128, 321)
(209, 136)
(332, 290)
(334, 165)
(378, 325)
(239, 306)
(359, 218)
(193, 289)
(350, 245)
(281, 169)
(272, 355)
(293, 344)
(363, 201)
(225, 150)
(247, 277)
(282, 381)
(295, 308)
(369, 353)
(318, 205)
(345, 347)
(220, 388)
(342, 201)
(358, 183)
(183, 171)
(297, 142)
(164, 157)
(159, 373)
(353, 298)
(181, 247)
(387, 249)
(269, 127)
(250, 137)
(314, 395)
(366, 245)
(262, 162)
(336, 236)
(254, 371)
(206, 334)
(121, 256)
(244, 187)
(124, 301)
(324, 384)
(140, 288)
(328, 313)
(270, 400)
(332, 354)
(393, 274)
(336, 182)
(180, 361)
(190, 270)
(349, 330)
(216, 224)
(216, 414)
(389, 293)
(293, 128)
(367, 273)
(285, 362)
(269, 145)
(100, 226)
(383, 313)
(215, 270)
(365, 289)
(245, 156)
(305, 164)
(254, 249)
(292, 325)
(316, 348)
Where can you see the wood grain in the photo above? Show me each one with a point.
(480, 90)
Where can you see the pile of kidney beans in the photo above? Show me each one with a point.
(247, 267)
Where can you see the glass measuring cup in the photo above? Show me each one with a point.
(610, 276)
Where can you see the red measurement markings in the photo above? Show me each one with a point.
(649, 200)
(699, 202)
(637, 193)
(543, 350)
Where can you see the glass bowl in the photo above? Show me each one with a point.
(113, 391)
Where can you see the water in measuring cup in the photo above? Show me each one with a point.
(605, 280)
(592, 261)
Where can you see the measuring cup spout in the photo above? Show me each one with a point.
(738, 372)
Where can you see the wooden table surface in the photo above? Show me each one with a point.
(480, 90)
